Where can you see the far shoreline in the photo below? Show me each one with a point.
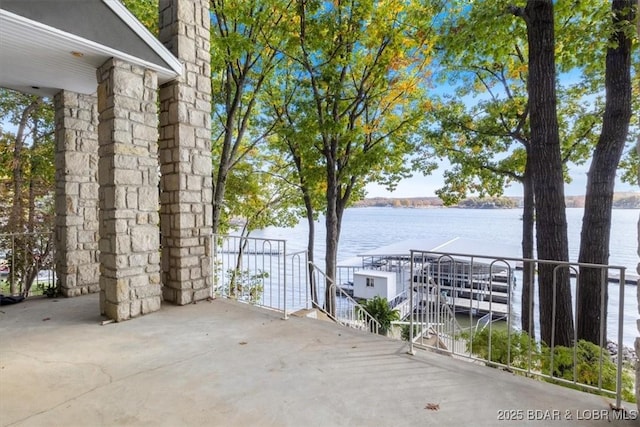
(626, 200)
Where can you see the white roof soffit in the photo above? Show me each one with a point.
(41, 59)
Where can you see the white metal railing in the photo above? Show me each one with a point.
(261, 272)
(402, 303)
(447, 295)
(27, 259)
(476, 286)
(437, 326)
(339, 306)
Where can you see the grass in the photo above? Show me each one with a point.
(39, 287)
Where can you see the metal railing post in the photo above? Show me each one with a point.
(284, 300)
(620, 340)
(411, 320)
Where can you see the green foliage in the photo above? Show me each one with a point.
(515, 349)
(588, 366)
(630, 167)
(483, 129)
(26, 185)
(352, 80)
(27, 170)
(260, 192)
(363, 65)
(246, 38)
(405, 332)
(146, 11)
(245, 285)
(27, 254)
(519, 351)
(380, 310)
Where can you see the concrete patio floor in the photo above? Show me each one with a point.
(222, 363)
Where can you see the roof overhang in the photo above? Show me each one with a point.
(47, 45)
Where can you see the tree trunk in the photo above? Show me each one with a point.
(230, 143)
(331, 223)
(311, 241)
(331, 261)
(556, 320)
(218, 198)
(596, 223)
(310, 211)
(528, 222)
(219, 188)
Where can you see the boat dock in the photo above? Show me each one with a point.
(477, 284)
(478, 295)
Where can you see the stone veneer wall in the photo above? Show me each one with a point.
(76, 202)
(128, 176)
(185, 154)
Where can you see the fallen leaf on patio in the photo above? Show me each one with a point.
(432, 406)
(46, 318)
(242, 343)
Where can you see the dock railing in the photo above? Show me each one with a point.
(477, 286)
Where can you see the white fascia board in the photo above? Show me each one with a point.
(151, 41)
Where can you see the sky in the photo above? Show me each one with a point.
(421, 186)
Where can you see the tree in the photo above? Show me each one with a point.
(244, 52)
(292, 139)
(596, 223)
(554, 289)
(26, 165)
(261, 194)
(363, 63)
(484, 55)
(146, 11)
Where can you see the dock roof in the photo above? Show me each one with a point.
(483, 249)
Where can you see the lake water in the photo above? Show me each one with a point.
(369, 228)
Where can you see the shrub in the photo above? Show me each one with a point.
(380, 310)
(519, 352)
(590, 360)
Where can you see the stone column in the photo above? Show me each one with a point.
(185, 154)
(76, 160)
(128, 176)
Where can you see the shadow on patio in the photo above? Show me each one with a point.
(226, 363)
